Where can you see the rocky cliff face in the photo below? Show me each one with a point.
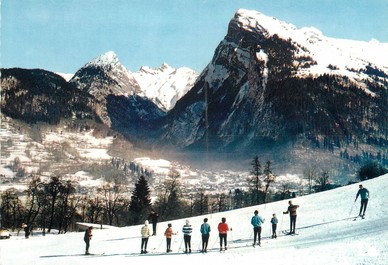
(269, 85)
(102, 77)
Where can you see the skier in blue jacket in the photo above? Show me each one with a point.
(364, 194)
(205, 231)
(256, 221)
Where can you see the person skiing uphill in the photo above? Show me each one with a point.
(205, 231)
(256, 221)
(145, 234)
(187, 229)
(223, 229)
(364, 194)
(292, 211)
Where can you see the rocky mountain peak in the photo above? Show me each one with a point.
(270, 83)
(350, 58)
(107, 59)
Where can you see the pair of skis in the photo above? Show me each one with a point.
(362, 217)
(287, 233)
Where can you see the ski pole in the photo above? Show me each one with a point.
(281, 222)
(215, 241)
(180, 245)
(160, 245)
(351, 209)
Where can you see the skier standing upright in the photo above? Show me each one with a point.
(292, 211)
(87, 237)
(364, 194)
(145, 234)
(187, 229)
(256, 221)
(153, 218)
(205, 231)
(26, 230)
(168, 234)
(223, 229)
(274, 222)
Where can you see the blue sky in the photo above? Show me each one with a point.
(63, 35)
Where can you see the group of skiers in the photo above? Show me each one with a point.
(258, 220)
(223, 227)
(168, 233)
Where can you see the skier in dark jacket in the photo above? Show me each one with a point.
(26, 230)
(274, 222)
(364, 194)
(292, 211)
(153, 218)
(87, 237)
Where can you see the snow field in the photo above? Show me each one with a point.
(326, 231)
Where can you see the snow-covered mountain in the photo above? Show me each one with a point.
(165, 85)
(272, 84)
(106, 75)
(326, 235)
(124, 97)
(269, 87)
(330, 55)
(118, 101)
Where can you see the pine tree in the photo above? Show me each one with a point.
(256, 171)
(269, 177)
(140, 199)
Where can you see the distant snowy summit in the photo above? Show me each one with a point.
(66, 76)
(109, 58)
(165, 85)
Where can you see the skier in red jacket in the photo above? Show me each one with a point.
(223, 229)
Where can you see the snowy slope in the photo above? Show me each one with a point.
(165, 85)
(326, 231)
(346, 55)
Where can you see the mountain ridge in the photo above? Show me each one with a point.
(261, 90)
